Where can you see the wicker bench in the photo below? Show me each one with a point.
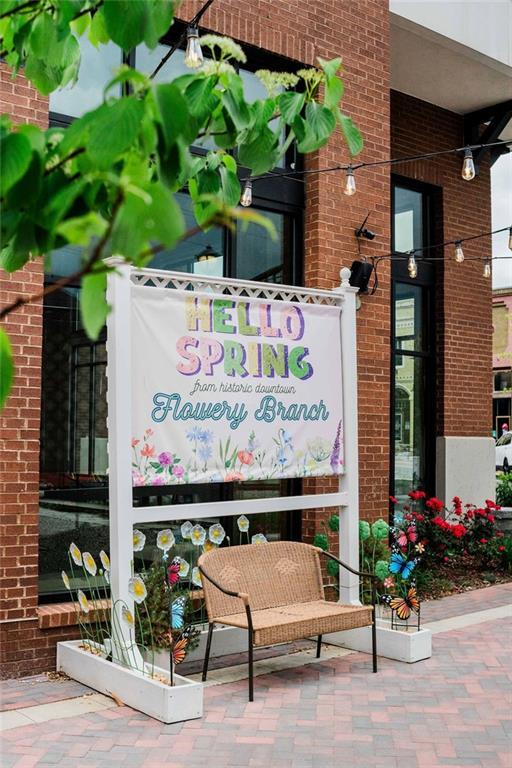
(275, 591)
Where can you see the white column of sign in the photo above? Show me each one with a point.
(119, 442)
(349, 481)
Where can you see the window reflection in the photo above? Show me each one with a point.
(409, 425)
(408, 220)
(409, 325)
(201, 254)
(97, 67)
(259, 256)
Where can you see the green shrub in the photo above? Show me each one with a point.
(504, 490)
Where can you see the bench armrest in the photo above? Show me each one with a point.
(241, 595)
(348, 567)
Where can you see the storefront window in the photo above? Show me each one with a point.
(74, 474)
(412, 454)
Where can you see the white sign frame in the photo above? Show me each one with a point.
(124, 515)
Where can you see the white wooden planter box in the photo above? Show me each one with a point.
(183, 701)
(392, 643)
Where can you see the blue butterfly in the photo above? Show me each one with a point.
(178, 612)
(400, 565)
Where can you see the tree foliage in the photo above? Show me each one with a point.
(107, 182)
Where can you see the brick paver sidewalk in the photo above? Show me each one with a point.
(451, 710)
(467, 602)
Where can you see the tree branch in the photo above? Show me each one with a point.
(64, 281)
(96, 255)
(18, 8)
(64, 160)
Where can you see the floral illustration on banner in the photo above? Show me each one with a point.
(217, 460)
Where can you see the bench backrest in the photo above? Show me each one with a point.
(272, 574)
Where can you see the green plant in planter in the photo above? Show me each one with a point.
(504, 490)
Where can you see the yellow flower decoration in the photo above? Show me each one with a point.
(105, 560)
(83, 602)
(419, 547)
(243, 524)
(89, 563)
(165, 539)
(198, 535)
(184, 568)
(75, 553)
(258, 538)
(137, 589)
(196, 577)
(208, 545)
(65, 579)
(216, 534)
(127, 616)
(139, 540)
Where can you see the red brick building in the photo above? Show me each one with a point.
(424, 345)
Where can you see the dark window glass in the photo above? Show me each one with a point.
(261, 257)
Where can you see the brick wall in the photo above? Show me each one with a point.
(19, 437)
(464, 302)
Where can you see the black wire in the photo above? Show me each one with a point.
(370, 164)
(397, 255)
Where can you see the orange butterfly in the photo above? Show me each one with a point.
(403, 605)
(179, 652)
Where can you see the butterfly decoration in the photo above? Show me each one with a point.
(403, 605)
(404, 537)
(173, 571)
(401, 566)
(178, 650)
(178, 612)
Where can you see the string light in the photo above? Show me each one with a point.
(412, 267)
(193, 55)
(487, 269)
(246, 198)
(459, 253)
(350, 182)
(468, 166)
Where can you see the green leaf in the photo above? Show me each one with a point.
(290, 105)
(93, 303)
(200, 96)
(154, 217)
(81, 229)
(18, 251)
(172, 110)
(27, 189)
(114, 130)
(125, 21)
(333, 85)
(98, 31)
(15, 156)
(234, 103)
(351, 133)
(260, 152)
(158, 21)
(6, 367)
(318, 126)
(230, 186)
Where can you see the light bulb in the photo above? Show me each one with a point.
(412, 267)
(510, 238)
(487, 269)
(468, 166)
(459, 253)
(246, 198)
(193, 54)
(350, 182)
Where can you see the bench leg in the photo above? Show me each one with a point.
(207, 652)
(318, 646)
(374, 641)
(251, 670)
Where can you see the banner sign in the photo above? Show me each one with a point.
(233, 388)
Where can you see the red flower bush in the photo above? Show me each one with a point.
(461, 530)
